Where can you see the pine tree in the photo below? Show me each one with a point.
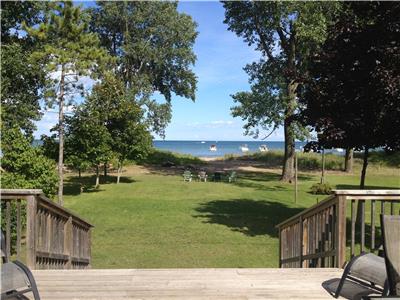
(69, 51)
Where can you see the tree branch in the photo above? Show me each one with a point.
(262, 39)
(283, 38)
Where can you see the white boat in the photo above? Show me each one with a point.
(244, 148)
(213, 148)
(203, 142)
(263, 148)
(340, 150)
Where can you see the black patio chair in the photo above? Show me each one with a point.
(390, 226)
(16, 279)
(363, 276)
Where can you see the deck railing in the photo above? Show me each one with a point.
(326, 234)
(50, 236)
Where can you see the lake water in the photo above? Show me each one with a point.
(202, 148)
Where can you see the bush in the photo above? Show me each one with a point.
(321, 189)
(159, 158)
(24, 167)
(306, 161)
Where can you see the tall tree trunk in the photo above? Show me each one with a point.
(323, 167)
(348, 160)
(362, 183)
(61, 139)
(288, 160)
(97, 176)
(119, 171)
(364, 168)
(79, 173)
(288, 163)
(105, 171)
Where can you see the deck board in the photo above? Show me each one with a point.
(184, 283)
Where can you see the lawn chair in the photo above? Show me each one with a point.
(232, 177)
(363, 276)
(202, 176)
(16, 278)
(391, 246)
(187, 176)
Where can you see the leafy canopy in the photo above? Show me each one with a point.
(67, 47)
(353, 95)
(153, 46)
(24, 166)
(286, 34)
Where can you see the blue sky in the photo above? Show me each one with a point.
(221, 56)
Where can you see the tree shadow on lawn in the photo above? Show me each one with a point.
(269, 176)
(86, 184)
(250, 217)
(252, 180)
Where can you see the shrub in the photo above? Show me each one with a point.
(24, 167)
(158, 157)
(321, 189)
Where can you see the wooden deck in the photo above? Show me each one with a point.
(184, 283)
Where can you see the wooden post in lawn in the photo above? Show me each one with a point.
(295, 177)
(323, 166)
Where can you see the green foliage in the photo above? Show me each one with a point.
(50, 146)
(130, 138)
(153, 46)
(87, 137)
(306, 161)
(21, 80)
(321, 189)
(364, 112)
(67, 48)
(24, 166)
(382, 158)
(286, 34)
(159, 158)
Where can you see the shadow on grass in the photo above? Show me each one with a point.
(254, 180)
(250, 217)
(268, 176)
(86, 184)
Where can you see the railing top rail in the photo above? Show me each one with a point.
(307, 210)
(18, 192)
(48, 202)
(347, 193)
(43, 199)
(393, 192)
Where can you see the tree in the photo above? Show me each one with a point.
(130, 137)
(21, 77)
(153, 46)
(286, 34)
(353, 95)
(88, 138)
(25, 166)
(69, 51)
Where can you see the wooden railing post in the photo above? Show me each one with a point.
(68, 242)
(31, 208)
(89, 245)
(301, 241)
(341, 231)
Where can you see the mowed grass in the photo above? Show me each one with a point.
(153, 220)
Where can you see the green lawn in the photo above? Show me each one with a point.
(157, 221)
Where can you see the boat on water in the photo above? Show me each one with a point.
(203, 142)
(263, 148)
(213, 148)
(340, 150)
(244, 148)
